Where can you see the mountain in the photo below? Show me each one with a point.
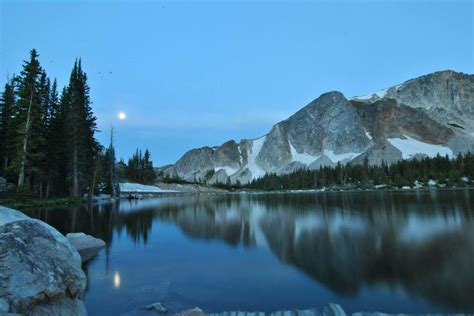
(425, 116)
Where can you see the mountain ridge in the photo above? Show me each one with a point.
(428, 115)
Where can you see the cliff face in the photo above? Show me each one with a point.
(429, 115)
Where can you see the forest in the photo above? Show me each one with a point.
(47, 137)
(442, 171)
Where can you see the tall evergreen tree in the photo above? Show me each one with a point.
(80, 126)
(7, 103)
(56, 157)
(109, 167)
(29, 140)
(148, 173)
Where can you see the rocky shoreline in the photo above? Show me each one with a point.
(40, 269)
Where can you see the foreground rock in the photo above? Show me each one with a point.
(87, 246)
(40, 271)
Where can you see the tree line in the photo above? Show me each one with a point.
(440, 170)
(140, 168)
(47, 138)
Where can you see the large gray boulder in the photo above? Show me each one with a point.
(40, 271)
(87, 246)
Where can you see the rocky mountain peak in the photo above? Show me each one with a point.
(428, 115)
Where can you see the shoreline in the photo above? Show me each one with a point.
(67, 202)
(351, 190)
(43, 202)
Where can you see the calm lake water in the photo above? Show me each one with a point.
(410, 252)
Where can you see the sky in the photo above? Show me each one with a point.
(193, 74)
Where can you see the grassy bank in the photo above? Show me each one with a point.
(30, 203)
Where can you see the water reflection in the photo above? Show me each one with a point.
(421, 242)
(117, 280)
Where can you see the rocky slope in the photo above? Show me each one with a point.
(429, 115)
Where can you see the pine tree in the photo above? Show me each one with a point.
(82, 148)
(148, 173)
(56, 160)
(29, 140)
(140, 168)
(108, 167)
(7, 104)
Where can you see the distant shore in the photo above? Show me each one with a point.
(194, 189)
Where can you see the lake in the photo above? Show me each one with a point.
(410, 252)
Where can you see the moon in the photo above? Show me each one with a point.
(122, 116)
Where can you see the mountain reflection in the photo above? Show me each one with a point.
(421, 242)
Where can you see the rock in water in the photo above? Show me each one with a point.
(40, 272)
(87, 246)
(329, 310)
(333, 310)
(157, 307)
(196, 311)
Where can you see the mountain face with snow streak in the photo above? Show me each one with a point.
(425, 116)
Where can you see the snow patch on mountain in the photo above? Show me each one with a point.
(302, 157)
(369, 136)
(339, 157)
(379, 94)
(410, 147)
(228, 170)
(141, 188)
(255, 169)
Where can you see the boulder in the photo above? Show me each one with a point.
(87, 246)
(40, 271)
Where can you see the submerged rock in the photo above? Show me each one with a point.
(329, 310)
(196, 311)
(87, 246)
(333, 310)
(40, 272)
(157, 307)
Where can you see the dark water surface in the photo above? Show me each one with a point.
(410, 252)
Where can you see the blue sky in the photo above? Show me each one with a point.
(191, 74)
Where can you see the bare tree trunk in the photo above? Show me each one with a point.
(5, 164)
(112, 161)
(48, 187)
(75, 180)
(91, 193)
(21, 176)
(112, 176)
